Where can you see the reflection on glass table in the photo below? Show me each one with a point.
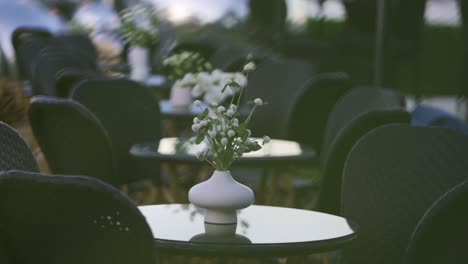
(179, 229)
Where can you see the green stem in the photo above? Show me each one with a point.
(250, 115)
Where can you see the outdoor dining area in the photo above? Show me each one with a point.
(138, 132)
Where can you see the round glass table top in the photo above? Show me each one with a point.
(178, 149)
(261, 230)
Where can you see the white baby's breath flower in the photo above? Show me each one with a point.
(212, 133)
(233, 107)
(195, 127)
(197, 103)
(203, 123)
(235, 120)
(231, 133)
(258, 102)
(235, 125)
(224, 141)
(196, 120)
(219, 127)
(249, 66)
(240, 79)
(230, 112)
(266, 139)
(221, 109)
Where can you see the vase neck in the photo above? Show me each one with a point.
(218, 173)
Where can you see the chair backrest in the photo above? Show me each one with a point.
(312, 105)
(441, 234)
(276, 82)
(72, 138)
(27, 43)
(70, 219)
(355, 114)
(75, 44)
(425, 115)
(48, 64)
(15, 153)
(67, 78)
(391, 176)
(130, 115)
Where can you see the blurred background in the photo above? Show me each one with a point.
(415, 47)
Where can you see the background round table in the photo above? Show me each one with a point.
(273, 156)
(275, 153)
(178, 229)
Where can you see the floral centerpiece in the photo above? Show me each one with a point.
(227, 138)
(140, 30)
(182, 68)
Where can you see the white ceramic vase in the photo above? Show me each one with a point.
(138, 58)
(180, 96)
(221, 196)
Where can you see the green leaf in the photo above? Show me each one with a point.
(254, 147)
(200, 138)
(235, 85)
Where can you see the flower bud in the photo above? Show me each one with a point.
(224, 141)
(195, 127)
(212, 133)
(258, 102)
(249, 66)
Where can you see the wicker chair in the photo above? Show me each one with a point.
(276, 82)
(70, 219)
(77, 44)
(67, 78)
(440, 236)
(312, 104)
(48, 64)
(73, 140)
(355, 114)
(27, 43)
(15, 153)
(391, 177)
(130, 115)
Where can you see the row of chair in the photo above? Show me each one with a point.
(91, 132)
(64, 219)
(51, 63)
